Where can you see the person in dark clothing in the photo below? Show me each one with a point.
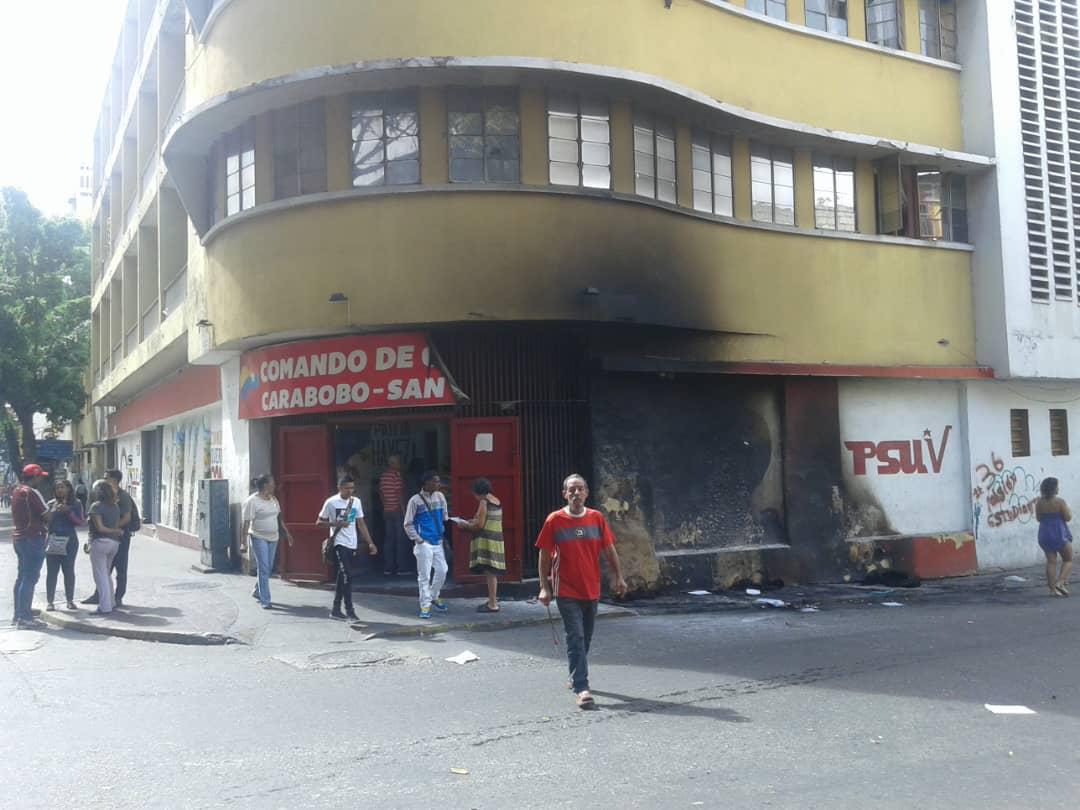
(82, 494)
(66, 512)
(130, 523)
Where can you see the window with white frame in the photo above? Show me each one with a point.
(772, 184)
(654, 157)
(883, 23)
(299, 138)
(827, 15)
(770, 8)
(240, 169)
(711, 157)
(485, 139)
(937, 28)
(942, 206)
(385, 140)
(579, 141)
(834, 193)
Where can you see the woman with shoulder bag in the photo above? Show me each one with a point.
(62, 543)
(105, 534)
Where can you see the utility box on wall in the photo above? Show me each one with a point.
(212, 523)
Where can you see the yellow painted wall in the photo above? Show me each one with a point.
(742, 60)
(527, 256)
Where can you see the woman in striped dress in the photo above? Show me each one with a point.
(486, 552)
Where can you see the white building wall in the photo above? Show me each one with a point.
(903, 457)
(1014, 335)
(1003, 486)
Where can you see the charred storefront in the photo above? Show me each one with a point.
(698, 471)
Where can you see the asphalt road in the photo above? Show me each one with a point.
(852, 707)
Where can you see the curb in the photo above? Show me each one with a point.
(506, 624)
(136, 633)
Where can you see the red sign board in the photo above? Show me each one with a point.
(357, 372)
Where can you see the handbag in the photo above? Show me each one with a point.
(56, 544)
(328, 554)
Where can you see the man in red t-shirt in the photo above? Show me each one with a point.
(570, 544)
(29, 514)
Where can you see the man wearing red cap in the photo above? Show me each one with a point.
(28, 512)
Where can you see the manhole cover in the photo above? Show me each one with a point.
(340, 659)
(190, 586)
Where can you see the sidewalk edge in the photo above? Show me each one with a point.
(65, 622)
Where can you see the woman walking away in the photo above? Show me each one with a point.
(105, 534)
(487, 554)
(263, 526)
(66, 512)
(1054, 536)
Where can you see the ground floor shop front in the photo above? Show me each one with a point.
(709, 476)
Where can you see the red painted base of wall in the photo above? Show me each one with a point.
(924, 556)
(944, 555)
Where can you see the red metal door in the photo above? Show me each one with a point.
(491, 449)
(304, 475)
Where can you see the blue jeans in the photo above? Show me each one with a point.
(264, 551)
(579, 618)
(397, 547)
(31, 554)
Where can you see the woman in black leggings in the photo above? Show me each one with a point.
(65, 513)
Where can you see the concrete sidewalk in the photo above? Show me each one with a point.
(167, 601)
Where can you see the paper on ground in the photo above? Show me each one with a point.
(892, 604)
(771, 602)
(1008, 709)
(699, 593)
(753, 592)
(464, 657)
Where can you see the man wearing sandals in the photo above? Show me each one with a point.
(570, 543)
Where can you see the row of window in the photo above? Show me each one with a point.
(484, 132)
(1020, 432)
(884, 21)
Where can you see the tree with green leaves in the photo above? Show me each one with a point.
(44, 316)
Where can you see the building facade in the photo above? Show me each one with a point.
(744, 264)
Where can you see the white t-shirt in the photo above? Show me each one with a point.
(334, 510)
(263, 515)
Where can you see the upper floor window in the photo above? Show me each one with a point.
(922, 204)
(299, 137)
(827, 15)
(770, 8)
(240, 169)
(772, 184)
(834, 193)
(385, 140)
(485, 139)
(883, 23)
(937, 28)
(712, 174)
(579, 142)
(942, 206)
(654, 157)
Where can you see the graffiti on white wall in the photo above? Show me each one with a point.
(1005, 495)
(904, 456)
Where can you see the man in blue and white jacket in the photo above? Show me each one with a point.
(425, 524)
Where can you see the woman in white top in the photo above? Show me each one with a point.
(263, 525)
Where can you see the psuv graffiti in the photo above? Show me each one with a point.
(900, 457)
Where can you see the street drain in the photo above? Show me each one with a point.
(190, 586)
(342, 659)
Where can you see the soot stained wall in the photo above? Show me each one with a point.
(689, 462)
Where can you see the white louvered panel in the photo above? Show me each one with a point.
(1070, 46)
(1034, 156)
(1056, 148)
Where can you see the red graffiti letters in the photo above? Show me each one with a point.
(896, 457)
